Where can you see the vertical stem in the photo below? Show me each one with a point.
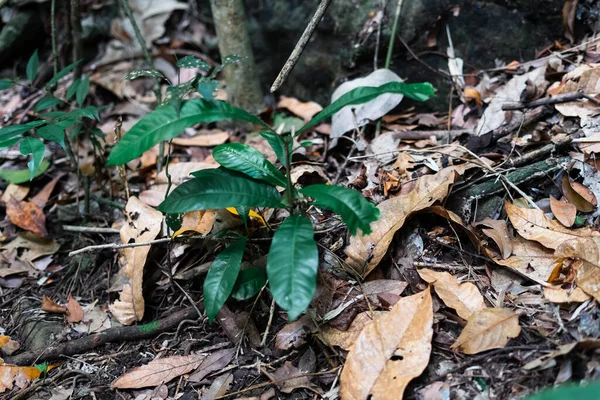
(53, 29)
(76, 36)
(289, 191)
(388, 59)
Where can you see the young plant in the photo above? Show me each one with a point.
(245, 180)
(48, 125)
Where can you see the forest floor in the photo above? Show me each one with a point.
(480, 279)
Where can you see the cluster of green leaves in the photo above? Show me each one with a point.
(49, 124)
(589, 391)
(245, 180)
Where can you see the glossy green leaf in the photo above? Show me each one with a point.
(415, 91)
(225, 61)
(165, 123)
(214, 190)
(36, 148)
(245, 159)
(22, 175)
(249, 282)
(591, 391)
(192, 62)
(143, 72)
(5, 84)
(61, 74)
(46, 103)
(82, 90)
(221, 277)
(11, 134)
(285, 124)
(32, 66)
(73, 88)
(277, 143)
(355, 210)
(292, 265)
(55, 132)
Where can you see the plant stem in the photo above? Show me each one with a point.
(53, 29)
(289, 191)
(388, 59)
(76, 36)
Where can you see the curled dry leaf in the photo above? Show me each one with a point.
(123, 309)
(201, 222)
(487, 329)
(304, 110)
(390, 351)
(51, 306)
(75, 312)
(578, 195)
(564, 212)
(345, 339)
(158, 371)
(498, 232)
(585, 252)
(548, 360)
(533, 224)
(530, 259)
(27, 215)
(464, 297)
(366, 251)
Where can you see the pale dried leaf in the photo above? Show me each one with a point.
(51, 306)
(304, 110)
(35, 246)
(94, 320)
(587, 79)
(123, 309)
(564, 212)
(219, 387)
(464, 297)
(215, 361)
(158, 371)
(200, 221)
(487, 329)
(75, 312)
(345, 339)
(12, 375)
(180, 172)
(559, 295)
(586, 255)
(578, 195)
(294, 334)
(530, 259)
(390, 351)
(203, 138)
(289, 378)
(366, 251)
(17, 192)
(548, 360)
(498, 233)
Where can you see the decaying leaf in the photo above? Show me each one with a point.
(578, 195)
(34, 246)
(289, 378)
(51, 306)
(219, 387)
(390, 351)
(498, 232)
(123, 309)
(564, 212)
(533, 224)
(17, 192)
(215, 361)
(204, 138)
(366, 251)
(585, 254)
(294, 334)
(158, 371)
(345, 339)
(143, 225)
(530, 259)
(304, 110)
(489, 328)
(94, 320)
(12, 375)
(560, 295)
(197, 221)
(549, 360)
(464, 297)
(75, 312)
(27, 215)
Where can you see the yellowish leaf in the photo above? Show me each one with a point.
(251, 214)
(559, 295)
(390, 351)
(203, 138)
(345, 339)
(12, 375)
(464, 297)
(304, 110)
(578, 195)
(585, 252)
(564, 212)
(200, 222)
(530, 259)
(486, 329)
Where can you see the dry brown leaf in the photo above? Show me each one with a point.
(568, 19)
(366, 251)
(201, 222)
(584, 78)
(51, 306)
(12, 375)
(143, 225)
(530, 259)
(289, 378)
(345, 339)
(158, 371)
(123, 309)
(533, 224)
(17, 192)
(42, 197)
(304, 110)
(94, 320)
(180, 172)
(35, 246)
(548, 360)
(75, 312)
(464, 297)
(27, 215)
(212, 137)
(487, 329)
(578, 195)
(498, 233)
(390, 351)
(564, 212)
(215, 361)
(585, 252)
(219, 387)
(293, 335)
(560, 295)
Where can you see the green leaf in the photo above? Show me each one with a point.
(36, 148)
(165, 123)
(590, 391)
(61, 74)
(207, 88)
(82, 90)
(55, 132)
(355, 210)
(226, 61)
(143, 72)
(285, 124)
(243, 158)
(214, 189)
(73, 88)
(249, 282)
(11, 134)
(221, 277)
(415, 91)
(22, 175)
(278, 145)
(292, 265)
(32, 66)
(192, 62)
(47, 102)
(5, 83)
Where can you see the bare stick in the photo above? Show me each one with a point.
(561, 98)
(297, 52)
(89, 229)
(116, 246)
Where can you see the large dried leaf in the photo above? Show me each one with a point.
(390, 351)
(498, 232)
(366, 251)
(203, 138)
(34, 246)
(560, 295)
(486, 329)
(578, 195)
(464, 297)
(305, 110)
(27, 215)
(200, 221)
(219, 387)
(564, 212)
(585, 252)
(345, 339)
(12, 375)
(158, 371)
(530, 259)
(213, 362)
(533, 224)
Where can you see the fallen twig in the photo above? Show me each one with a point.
(424, 135)
(116, 334)
(89, 229)
(561, 98)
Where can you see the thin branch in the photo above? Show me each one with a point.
(301, 45)
(561, 98)
(388, 59)
(89, 229)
